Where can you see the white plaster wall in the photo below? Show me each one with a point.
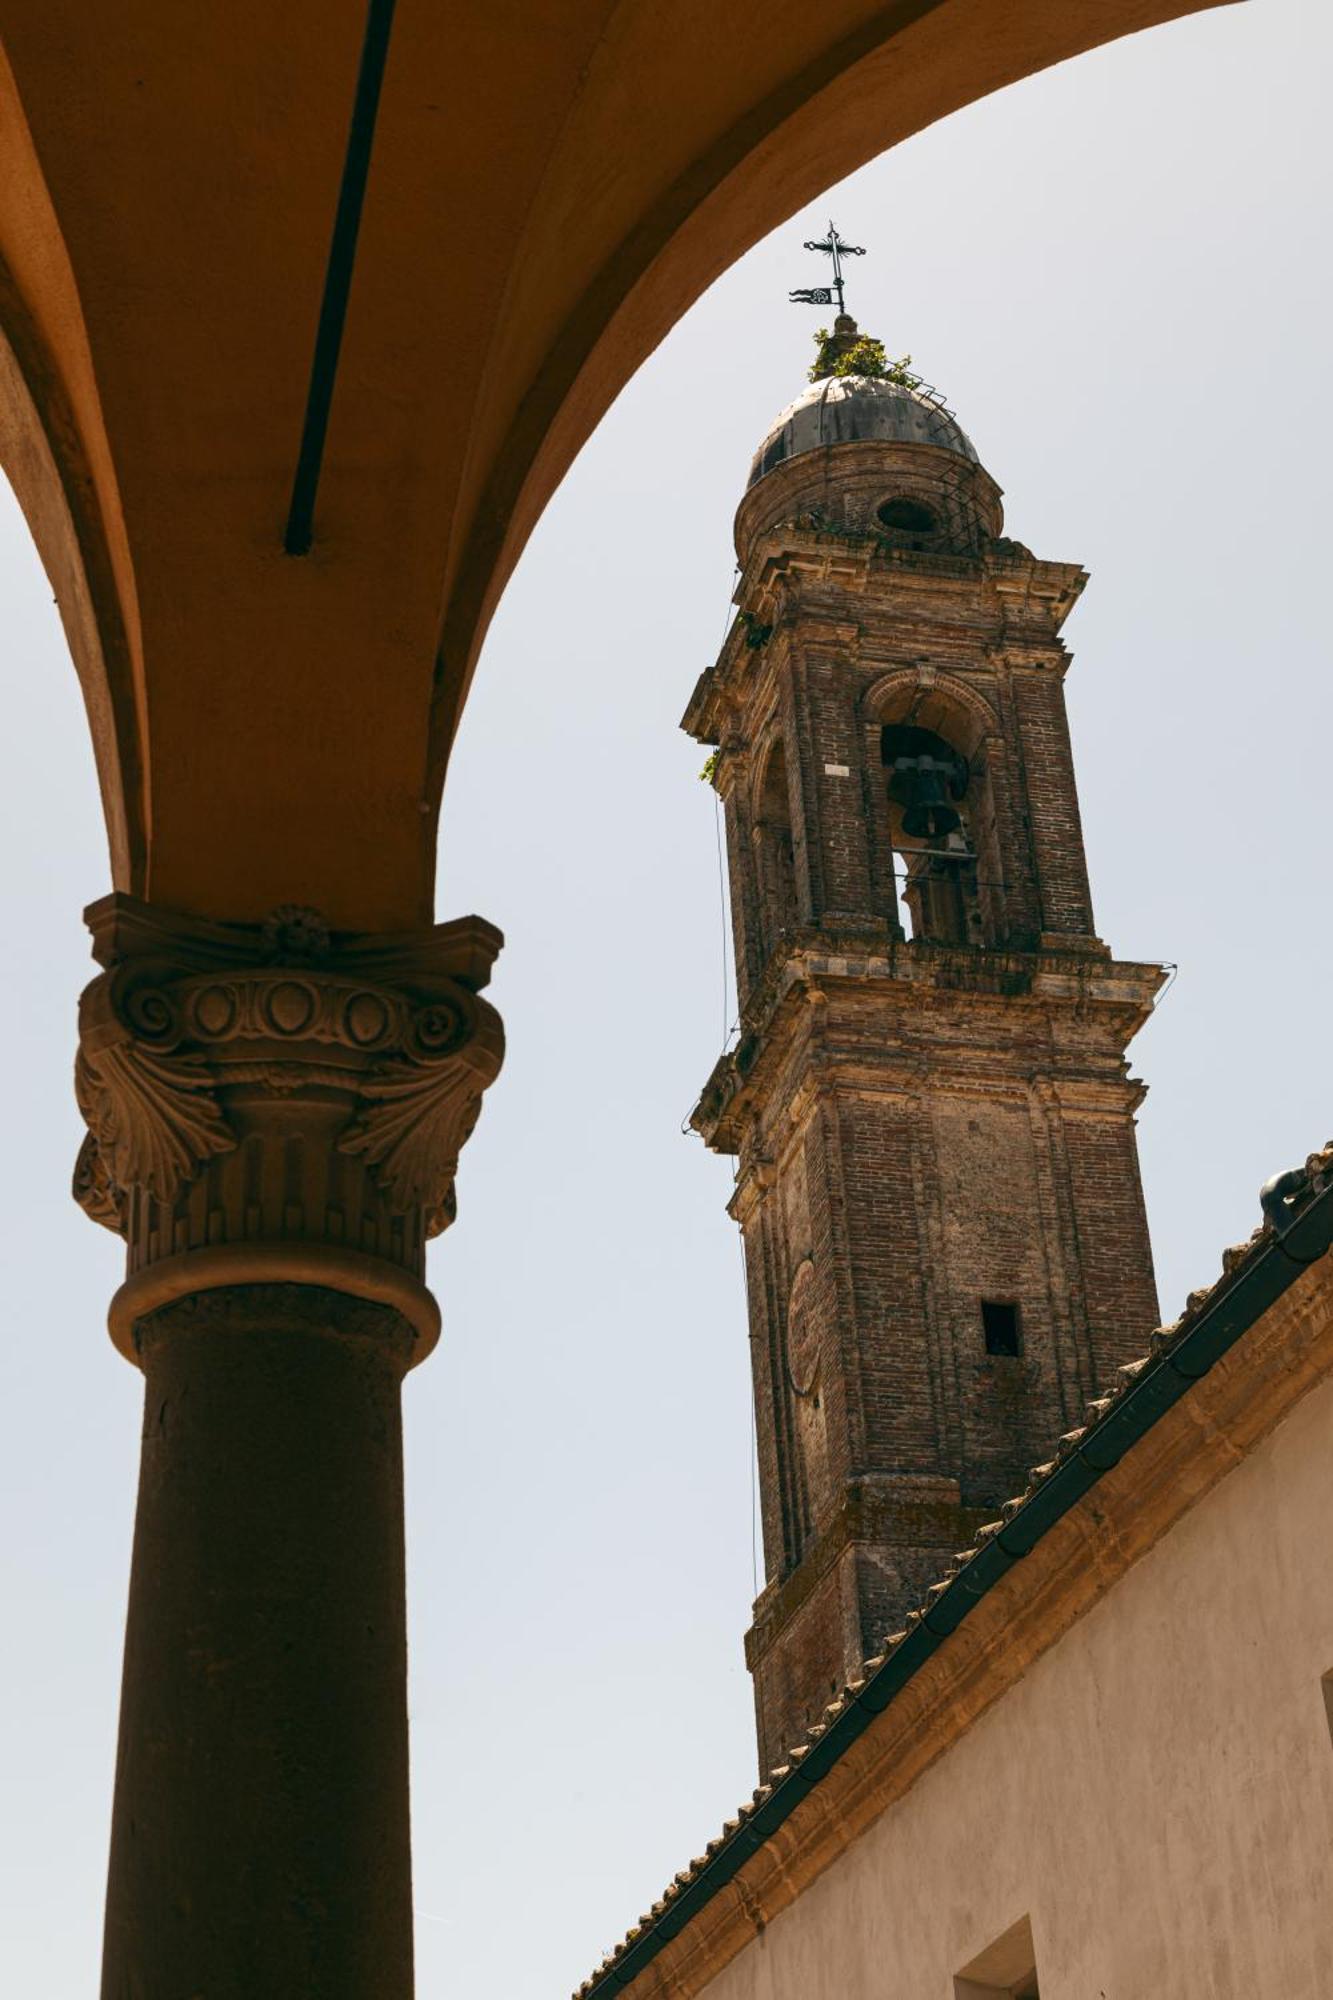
(1157, 1794)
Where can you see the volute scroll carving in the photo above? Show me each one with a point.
(278, 1085)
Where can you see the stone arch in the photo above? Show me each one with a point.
(76, 568)
(766, 744)
(774, 842)
(941, 702)
(951, 890)
(471, 390)
(54, 452)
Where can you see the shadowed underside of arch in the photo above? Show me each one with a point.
(549, 189)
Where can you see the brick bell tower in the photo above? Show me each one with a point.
(937, 1179)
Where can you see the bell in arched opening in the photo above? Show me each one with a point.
(928, 782)
(926, 776)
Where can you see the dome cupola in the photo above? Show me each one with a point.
(886, 403)
(870, 449)
(850, 409)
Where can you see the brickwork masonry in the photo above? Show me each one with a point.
(937, 1178)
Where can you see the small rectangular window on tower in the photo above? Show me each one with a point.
(1000, 1326)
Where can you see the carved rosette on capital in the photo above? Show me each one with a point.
(274, 1103)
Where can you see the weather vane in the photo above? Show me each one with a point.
(835, 247)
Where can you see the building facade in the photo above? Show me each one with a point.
(929, 1103)
(1044, 1659)
(1097, 1764)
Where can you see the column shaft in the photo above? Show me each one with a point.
(260, 1840)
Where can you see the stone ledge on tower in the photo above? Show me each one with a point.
(890, 1007)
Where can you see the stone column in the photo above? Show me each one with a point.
(274, 1123)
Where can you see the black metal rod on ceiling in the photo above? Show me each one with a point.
(338, 277)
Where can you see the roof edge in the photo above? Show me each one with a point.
(1296, 1234)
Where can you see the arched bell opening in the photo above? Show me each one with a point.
(931, 809)
(951, 882)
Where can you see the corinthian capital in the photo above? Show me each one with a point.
(273, 1102)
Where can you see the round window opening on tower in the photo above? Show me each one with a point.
(910, 517)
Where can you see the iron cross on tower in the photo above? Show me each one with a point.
(837, 248)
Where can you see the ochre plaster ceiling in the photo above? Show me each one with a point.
(551, 186)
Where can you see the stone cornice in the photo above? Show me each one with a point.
(780, 596)
(1038, 594)
(912, 983)
(1034, 590)
(271, 1101)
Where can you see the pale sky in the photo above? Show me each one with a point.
(1117, 273)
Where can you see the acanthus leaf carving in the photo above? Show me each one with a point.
(412, 1131)
(153, 1118)
(93, 1189)
(339, 1076)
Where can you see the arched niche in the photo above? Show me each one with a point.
(774, 847)
(804, 1344)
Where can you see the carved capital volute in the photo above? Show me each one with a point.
(270, 1102)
